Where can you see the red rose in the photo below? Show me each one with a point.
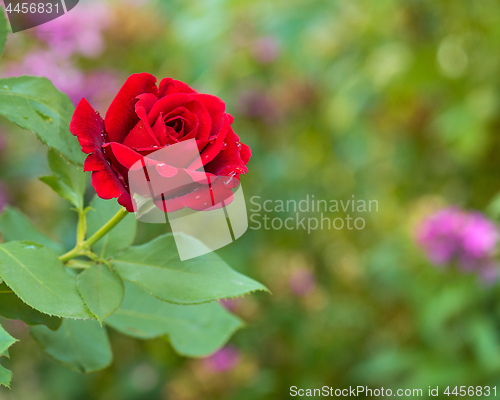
(143, 119)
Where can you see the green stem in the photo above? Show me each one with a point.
(81, 228)
(83, 247)
(78, 264)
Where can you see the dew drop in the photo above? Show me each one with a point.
(30, 245)
(6, 87)
(224, 146)
(238, 145)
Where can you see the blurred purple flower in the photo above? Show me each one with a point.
(222, 360)
(466, 237)
(265, 49)
(77, 32)
(258, 104)
(231, 304)
(100, 88)
(302, 282)
(97, 87)
(62, 73)
(4, 197)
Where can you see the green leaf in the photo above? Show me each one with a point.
(4, 28)
(35, 104)
(118, 238)
(14, 225)
(5, 376)
(101, 290)
(81, 345)
(68, 181)
(5, 342)
(156, 267)
(193, 330)
(12, 307)
(39, 278)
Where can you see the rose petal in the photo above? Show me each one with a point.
(88, 126)
(171, 86)
(215, 107)
(245, 153)
(202, 198)
(213, 148)
(139, 137)
(160, 131)
(168, 104)
(229, 161)
(121, 116)
(189, 120)
(122, 157)
(142, 107)
(173, 101)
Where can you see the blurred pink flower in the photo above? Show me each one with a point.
(265, 49)
(100, 88)
(4, 196)
(231, 304)
(78, 31)
(62, 73)
(222, 360)
(97, 85)
(302, 282)
(466, 237)
(258, 104)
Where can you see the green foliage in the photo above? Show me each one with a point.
(117, 239)
(37, 288)
(12, 307)
(35, 104)
(5, 342)
(82, 345)
(155, 266)
(14, 225)
(38, 277)
(101, 290)
(67, 299)
(5, 376)
(194, 330)
(68, 181)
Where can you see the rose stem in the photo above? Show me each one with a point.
(82, 247)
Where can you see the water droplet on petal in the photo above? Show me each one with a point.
(238, 145)
(224, 146)
(165, 170)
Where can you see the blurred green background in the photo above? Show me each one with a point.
(389, 100)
